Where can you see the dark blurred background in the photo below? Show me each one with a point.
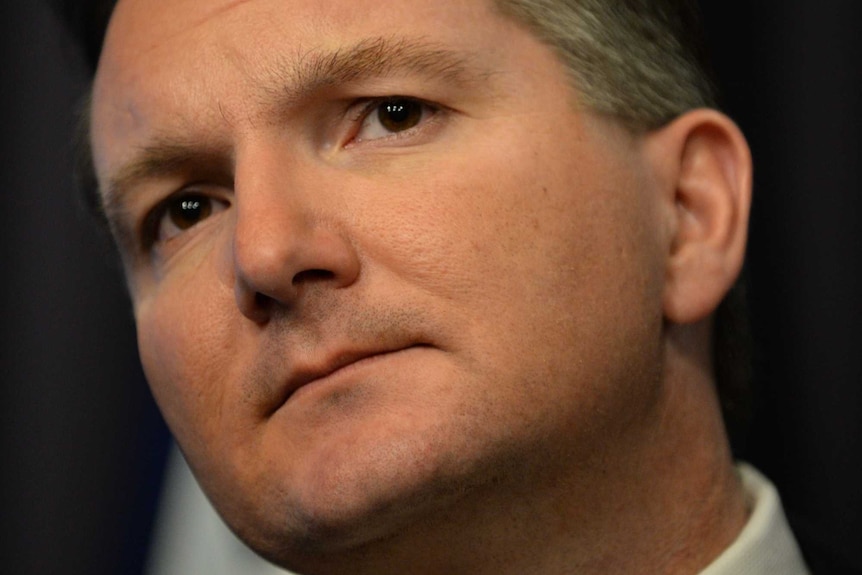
(83, 445)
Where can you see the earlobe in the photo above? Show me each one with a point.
(708, 170)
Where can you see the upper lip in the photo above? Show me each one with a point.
(305, 373)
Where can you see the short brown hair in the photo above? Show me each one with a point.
(640, 61)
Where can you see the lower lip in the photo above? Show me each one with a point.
(345, 375)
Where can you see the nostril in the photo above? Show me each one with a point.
(262, 301)
(311, 276)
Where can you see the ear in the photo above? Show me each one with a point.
(704, 168)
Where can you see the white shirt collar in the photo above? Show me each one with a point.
(765, 546)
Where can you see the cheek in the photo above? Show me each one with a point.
(459, 221)
(522, 219)
(184, 348)
(548, 253)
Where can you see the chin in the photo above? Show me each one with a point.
(353, 495)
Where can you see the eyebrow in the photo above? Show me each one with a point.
(293, 80)
(316, 70)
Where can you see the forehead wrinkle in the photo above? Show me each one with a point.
(310, 71)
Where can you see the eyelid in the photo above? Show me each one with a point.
(149, 232)
(367, 106)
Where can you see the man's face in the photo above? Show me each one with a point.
(379, 258)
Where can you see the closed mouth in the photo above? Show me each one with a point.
(306, 375)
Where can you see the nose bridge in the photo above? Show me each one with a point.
(284, 236)
(269, 218)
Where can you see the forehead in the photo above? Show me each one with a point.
(147, 37)
(161, 55)
(145, 28)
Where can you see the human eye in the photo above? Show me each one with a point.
(178, 214)
(394, 116)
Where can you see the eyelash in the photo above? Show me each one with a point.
(368, 107)
(150, 228)
(150, 225)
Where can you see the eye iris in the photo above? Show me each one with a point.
(399, 115)
(189, 211)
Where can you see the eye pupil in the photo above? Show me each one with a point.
(189, 211)
(400, 115)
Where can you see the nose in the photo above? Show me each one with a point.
(286, 241)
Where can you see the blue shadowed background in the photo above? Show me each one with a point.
(83, 446)
(82, 442)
